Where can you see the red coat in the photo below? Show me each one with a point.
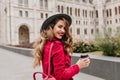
(61, 67)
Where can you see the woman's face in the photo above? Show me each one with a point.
(59, 29)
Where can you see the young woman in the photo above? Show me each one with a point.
(55, 30)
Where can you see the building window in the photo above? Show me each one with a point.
(86, 22)
(103, 12)
(46, 4)
(25, 3)
(46, 15)
(85, 13)
(110, 30)
(76, 22)
(108, 1)
(20, 2)
(26, 13)
(91, 1)
(61, 9)
(110, 12)
(78, 31)
(107, 13)
(20, 13)
(115, 10)
(78, 12)
(85, 31)
(92, 14)
(110, 22)
(118, 30)
(84, 0)
(77, 0)
(70, 11)
(107, 22)
(41, 3)
(92, 31)
(67, 10)
(119, 9)
(79, 22)
(97, 30)
(41, 15)
(116, 20)
(96, 13)
(58, 8)
(75, 11)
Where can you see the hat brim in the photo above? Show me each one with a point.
(52, 18)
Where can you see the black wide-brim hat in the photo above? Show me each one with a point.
(49, 20)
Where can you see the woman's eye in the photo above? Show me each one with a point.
(60, 26)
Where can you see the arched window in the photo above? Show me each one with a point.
(23, 34)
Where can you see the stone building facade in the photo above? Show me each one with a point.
(21, 20)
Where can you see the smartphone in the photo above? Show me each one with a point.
(84, 56)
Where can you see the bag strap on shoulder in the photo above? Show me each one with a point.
(49, 62)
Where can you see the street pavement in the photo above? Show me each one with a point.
(15, 66)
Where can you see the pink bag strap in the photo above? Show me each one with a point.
(34, 78)
(51, 46)
(47, 75)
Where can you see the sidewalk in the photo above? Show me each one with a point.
(83, 76)
(14, 66)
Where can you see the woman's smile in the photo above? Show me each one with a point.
(59, 29)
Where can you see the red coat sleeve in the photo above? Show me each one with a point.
(60, 71)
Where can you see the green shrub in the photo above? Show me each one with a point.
(118, 49)
(81, 47)
(110, 47)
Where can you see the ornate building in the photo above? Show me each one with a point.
(20, 20)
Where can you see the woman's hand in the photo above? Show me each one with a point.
(83, 62)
